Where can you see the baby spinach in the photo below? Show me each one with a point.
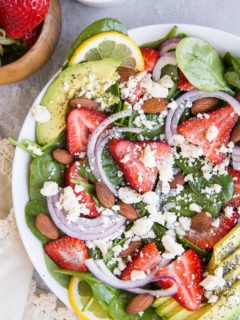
(61, 278)
(201, 64)
(155, 44)
(111, 169)
(232, 76)
(233, 79)
(86, 172)
(32, 209)
(112, 300)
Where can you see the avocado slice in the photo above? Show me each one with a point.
(180, 313)
(166, 309)
(67, 84)
(224, 247)
(159, 301)
(226, 308)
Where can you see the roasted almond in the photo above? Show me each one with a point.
(62, 156)
(201, 221)
(125, 73)
(46, 226)
(203, 105)
(178, 179)
(82, 102)
(132, 247)
(127, 211)
(105, 196)
(139, 303)
(235, 134)
(155, 105)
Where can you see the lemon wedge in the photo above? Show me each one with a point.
(110, 44)
(79, 294)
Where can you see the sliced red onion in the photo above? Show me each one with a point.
(175, 113)
(101, 143)
(236, 158)
(168, 45)
(101, 272)
(166, 58)
(81, 229)
(96, 133)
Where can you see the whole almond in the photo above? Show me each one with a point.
(201, 221)
(62, 156)
(178, 179)
(203, 105)
(46, 226)
(125, 73)
(133, 246)
(127, 211)
(105, 196)
(139, 303)
(235, 134)
(82, 102)
(155, 105)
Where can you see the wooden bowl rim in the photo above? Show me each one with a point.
(51, 23)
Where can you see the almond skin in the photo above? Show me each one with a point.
(82, 102)
(127, 211)
(201, 222)
(178, 179)
(139, 303)
(203, 105)
(46, 226)
(105, 196)
(133, 246)
(155, 105)
(125, 73)
(235, 134)
(62, 156)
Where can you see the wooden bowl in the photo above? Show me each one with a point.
(40, 52)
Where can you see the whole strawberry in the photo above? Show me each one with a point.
(17, 17)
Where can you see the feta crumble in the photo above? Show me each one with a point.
(212, 133)
(137, 275)
(40, 113)
(195, 207)
(172, 248)
(50, 188)
(128, 195)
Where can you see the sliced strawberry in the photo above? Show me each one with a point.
(187, 271)
(208, 238)
(83, 196)
(150, 57)
(183, 82)
(146, 260)
(80, 123)
(235, 201)
(129, 157)
(68, 253)
(195, 131)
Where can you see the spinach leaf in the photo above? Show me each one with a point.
(86, 172)
(111, 169)
(112, 300)
(171, 71)
(61, 278)
(102, 25)
(201, 64)
(44, 168)
(32, 209)
(232, 76)
(155, 44)
(189, 167)
(233, 79)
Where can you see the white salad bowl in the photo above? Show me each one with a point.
(221, 40)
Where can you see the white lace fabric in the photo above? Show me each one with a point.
(20, 299)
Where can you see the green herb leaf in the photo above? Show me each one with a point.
(61, 278)
(155, 44)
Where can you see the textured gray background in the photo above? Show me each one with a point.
(15, 100)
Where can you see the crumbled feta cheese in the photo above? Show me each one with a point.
(78, 188)
(50, 188)
(137, 275)
(185, 223)
(228, 212)
(172, 248)
(211, 283)
(37, 151)
(212, 133)
(128, 195)
(216, 223)
(154, 89)
(148, 157)
(166, 82)
(142, 226)
(195, 207)
(150, 197)
(40, 113)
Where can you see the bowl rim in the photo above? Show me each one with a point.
(50, 26)
(154, 32)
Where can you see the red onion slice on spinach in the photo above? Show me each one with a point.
(165, 59)
(168, 45)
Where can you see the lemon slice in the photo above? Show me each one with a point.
(110, 44)
(79, 294)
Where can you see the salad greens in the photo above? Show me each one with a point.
(155, 44)
(112, 300)
(232, 75)
(61, 278)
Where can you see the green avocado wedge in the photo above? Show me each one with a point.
(102, 25)
(65, 86)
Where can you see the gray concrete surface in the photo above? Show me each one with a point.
(15, 100)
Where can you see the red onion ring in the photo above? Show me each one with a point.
(175, 113)
(93, 229)
(236, 158)
(94, 137)
(166, 58)
(100, 271)
(168, 45)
